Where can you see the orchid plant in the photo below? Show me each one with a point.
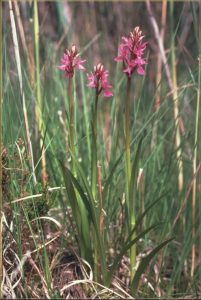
(83, 197)
(98, 80)
(69, 62)
(130, 53)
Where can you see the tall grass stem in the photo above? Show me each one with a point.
(1, 199)
(39, 118)
(159, 73)
(176, 104)
(195, 158)
(18, 62)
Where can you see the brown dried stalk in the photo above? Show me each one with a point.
(17, 57)
(159, 71)
(172, 83)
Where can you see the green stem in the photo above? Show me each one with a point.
(86, 116)
(195, 163)
(94, 175)
(127, 136)
(1, 101)
(39, 117)
(130, 200)
(94, 148)
(71, 123)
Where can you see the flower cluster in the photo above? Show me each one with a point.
(70, 61)
(131, 51)
(99, 81)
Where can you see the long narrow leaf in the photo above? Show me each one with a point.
(133, 181)
(80, 215)
(144, 264)
(108, 180)
(91, 204)
(123, 251)
(140, 218)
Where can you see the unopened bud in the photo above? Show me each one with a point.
(74, 50)
(99, 67)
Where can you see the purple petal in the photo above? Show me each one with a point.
(140, 70)
(107, 93)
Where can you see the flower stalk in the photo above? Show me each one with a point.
(94, 147)
(127, 133)
(98, 80)
(130, 199)
(130, 53)
(69, 62)
(71, 122)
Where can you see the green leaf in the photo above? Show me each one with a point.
(144, 264)
(125, 248)
(140, 218)
(91, 206)
(80, 214)
(109, 179)
(133, 180)
(71, 196)
(93, 160)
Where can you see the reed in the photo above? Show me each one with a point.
(1, 198)
(196, 157)
(38, 103)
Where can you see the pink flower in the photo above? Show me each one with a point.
(70, 61)
(99, 81)
(131, 51)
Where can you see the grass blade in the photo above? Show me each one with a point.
(144, 264)
(127, 246)
(80, 215)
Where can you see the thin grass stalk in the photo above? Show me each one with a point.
(18, 62)
(195, 163)
(1, 199)
(160, 44)
(158, 72)
(39, 118)
(173, 88)
(159, 59)
(176, 104)
(23, 38)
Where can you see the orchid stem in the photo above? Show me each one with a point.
(94, 148)
(127, 134)
(71, 123)
(130, 201)
(94, 173)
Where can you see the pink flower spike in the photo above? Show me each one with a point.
(70, 61)
(130, 52)
(99, 81)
